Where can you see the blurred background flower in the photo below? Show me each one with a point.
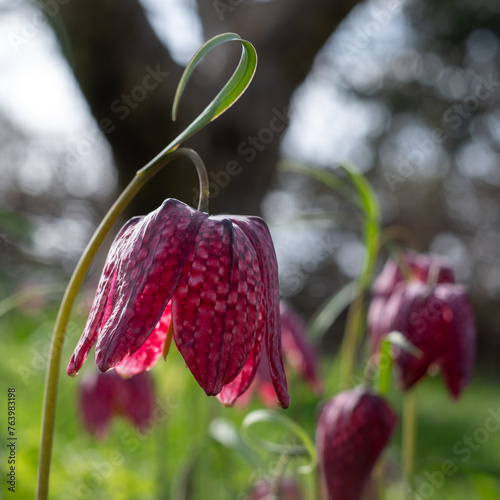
(409, 266)
(105, 396)
(416, 295)
(353, 429)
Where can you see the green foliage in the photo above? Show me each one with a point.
(361, 195)
(179, 454)
(282, 448)
(327, 313)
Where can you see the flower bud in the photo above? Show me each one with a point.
(353, 429)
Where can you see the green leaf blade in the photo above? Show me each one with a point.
(371, 211)
(331, 309)
(233, 89)
(230, 93)
(307, 448)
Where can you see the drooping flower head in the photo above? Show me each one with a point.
(103, 396)
(353, 429)
(432, 312)
(410, 267)
(438, 320)
(212, 282)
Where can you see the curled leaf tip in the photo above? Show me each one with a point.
(307, 447)
(230, 93)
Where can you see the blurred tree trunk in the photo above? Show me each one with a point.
(121, 67)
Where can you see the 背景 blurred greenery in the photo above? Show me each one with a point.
(178, 458)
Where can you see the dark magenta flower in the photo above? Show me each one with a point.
(432, 312)
(410, 267)
(438, 320)
(103, 396)
(353, 429)
(212, 282)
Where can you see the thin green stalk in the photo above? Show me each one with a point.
(384, 371)
(378, 484)
(350, 342)
(162, 479)
(202, 176)
(54, 362)
(409, 437)
(278, 474)
(316, 487)
(20, 298)
(307, 447)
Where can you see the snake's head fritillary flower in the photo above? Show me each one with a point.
(410, 267)
(353, 429)
(102, 396)
(288, 489)
(211, 283)
(438, 320)
(418, 297)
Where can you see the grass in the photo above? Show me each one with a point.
(179, 459)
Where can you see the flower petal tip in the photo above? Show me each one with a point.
(284, 403)
(72, 369)
(103, 366)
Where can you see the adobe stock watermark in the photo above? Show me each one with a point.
(121, 108)
(361, 37)
(293, 280)
(95, 477)
(100, 471)
(33, 23)
(272, 471)
(164, 408)
(373, 365)
(138, 94)
(249, 149)
(429, 482)
(453, 116)
(222, 7)
(40, 352)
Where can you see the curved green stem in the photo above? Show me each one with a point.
(52, 377)
(267, 416)
(20, 298)
(350, 342)
(409, 437)
(278, 474)
(202, 176)
(384, 368)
